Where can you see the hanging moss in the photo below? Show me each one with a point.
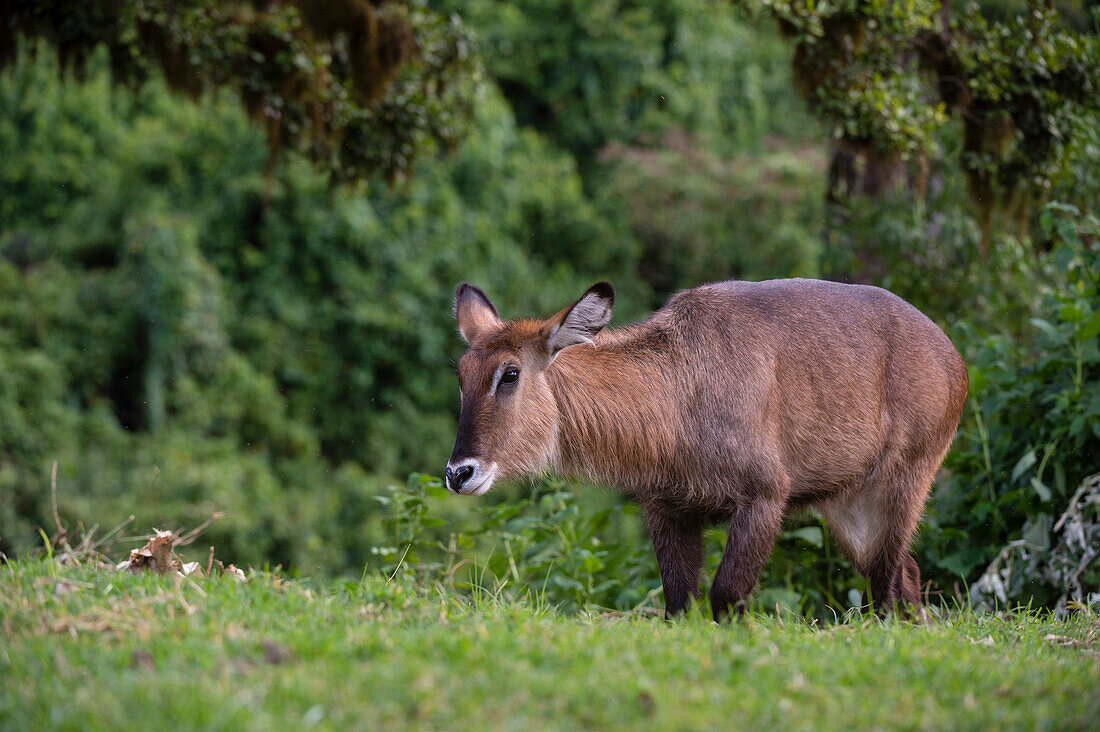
(887, 76)
(311, 74)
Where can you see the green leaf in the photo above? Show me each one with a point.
(591, 564)
(1071, 313)
(962, 562)
(1037, 532)
(771, 596)
(1067, 231)
(1089, 329)
(566, 583)
(1064, 257)
(1046, 222)
(809, 534)
(523, 522)
(978, 380)
(435, 490)
(604, 586)
(1049, 330)
(1041, 489)
(1023, 464)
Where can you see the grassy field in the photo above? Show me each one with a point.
(103, 650)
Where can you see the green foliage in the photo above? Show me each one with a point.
(930, 253)
(1031, 433)
(888, 75)
(259, 344)
(358, 87)
(846, 63)
(753, 216)
(589, 73)
(1030, 89)
(577, 547)
(572, 554)
(586, 71)
(1049, 561)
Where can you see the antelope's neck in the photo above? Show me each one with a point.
(618, 420)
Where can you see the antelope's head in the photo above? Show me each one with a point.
(508, 422)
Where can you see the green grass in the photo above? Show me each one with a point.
(96, 649)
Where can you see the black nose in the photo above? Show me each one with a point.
(455, 478)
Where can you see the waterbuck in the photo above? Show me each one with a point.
(735, 403)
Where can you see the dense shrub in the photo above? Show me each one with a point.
(578, 546)
(700, 217)
(590, 73)
(1031, 432)
(184, 334)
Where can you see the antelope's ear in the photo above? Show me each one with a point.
(581, 321)
(474, 312)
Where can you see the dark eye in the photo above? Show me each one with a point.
(510, 375)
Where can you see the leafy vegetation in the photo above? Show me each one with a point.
(1032, 430)
(579, 549)
(591, 73)
(189, 324)
(88, 649)
(1017, 88)
(357, 86)
(205, 338)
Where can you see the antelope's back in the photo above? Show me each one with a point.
(829, 373)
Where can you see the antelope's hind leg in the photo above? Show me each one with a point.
(875, 527)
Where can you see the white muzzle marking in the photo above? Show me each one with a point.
(477, 484)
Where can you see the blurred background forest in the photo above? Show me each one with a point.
(230, 234)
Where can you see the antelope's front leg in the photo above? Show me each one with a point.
(752, 534)
(678, 545)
